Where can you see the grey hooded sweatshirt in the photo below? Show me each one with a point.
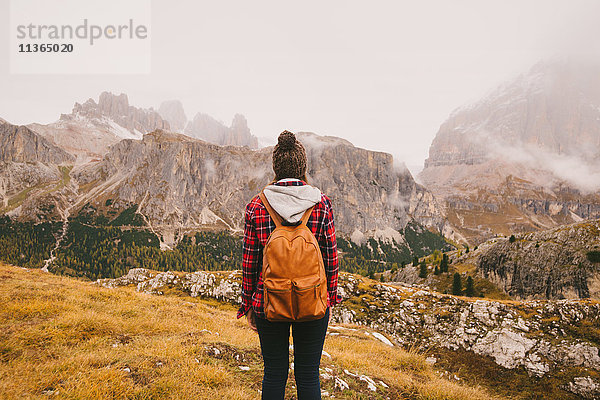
(290, 202)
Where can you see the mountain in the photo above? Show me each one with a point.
(207, 128)
(32, 172)
(181, 184)
(173, 112)
(120, 195)
(92, 127)
(523, 158)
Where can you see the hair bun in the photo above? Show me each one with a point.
(286, 140)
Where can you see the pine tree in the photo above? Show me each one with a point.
(456, 285)
(415, 261)
(469, 290)
(436, 271)
(444, 263)
(423, 270)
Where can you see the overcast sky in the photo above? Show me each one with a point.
(382, 74)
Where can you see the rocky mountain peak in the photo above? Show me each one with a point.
(114, 105)
(173, 112)
(240, 133)
(239, 122)
(116, 108)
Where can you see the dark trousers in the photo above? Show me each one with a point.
(308, 345)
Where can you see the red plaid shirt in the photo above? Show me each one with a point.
(259, 226)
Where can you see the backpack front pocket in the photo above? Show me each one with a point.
(278, 300)
(308, 301)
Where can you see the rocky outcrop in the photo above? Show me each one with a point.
(541, 337)
(184, 184)
(207, 128)
(225, 287)
(551, 264)
(523, 158)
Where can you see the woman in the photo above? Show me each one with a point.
(290, 196)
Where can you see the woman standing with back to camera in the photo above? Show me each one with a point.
(282, 291)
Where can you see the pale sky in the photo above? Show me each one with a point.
(382, 74)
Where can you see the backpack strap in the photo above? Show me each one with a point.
(307, 215)
(276, 218)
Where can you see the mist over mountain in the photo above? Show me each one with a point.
(525, 157)
(173, 112)
(205, 127)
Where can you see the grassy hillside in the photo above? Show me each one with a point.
(71, 339)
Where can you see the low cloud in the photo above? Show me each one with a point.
(574, 169)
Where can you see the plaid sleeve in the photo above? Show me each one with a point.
(250, 261)
(328, 245)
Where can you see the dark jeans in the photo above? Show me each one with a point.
(308, 345)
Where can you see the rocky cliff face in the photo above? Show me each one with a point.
(526, 157)
(20, 144)
(180, 184)
(371, 191)
(92, 127)
(551, 264)
(544, 338)
(32, 174)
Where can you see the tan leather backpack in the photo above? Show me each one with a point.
(295, 284)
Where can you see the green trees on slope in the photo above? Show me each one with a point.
(105, 252)
(26, 244)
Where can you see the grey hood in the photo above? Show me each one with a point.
(290, 202)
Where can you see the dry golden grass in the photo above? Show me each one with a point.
(71, 339)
